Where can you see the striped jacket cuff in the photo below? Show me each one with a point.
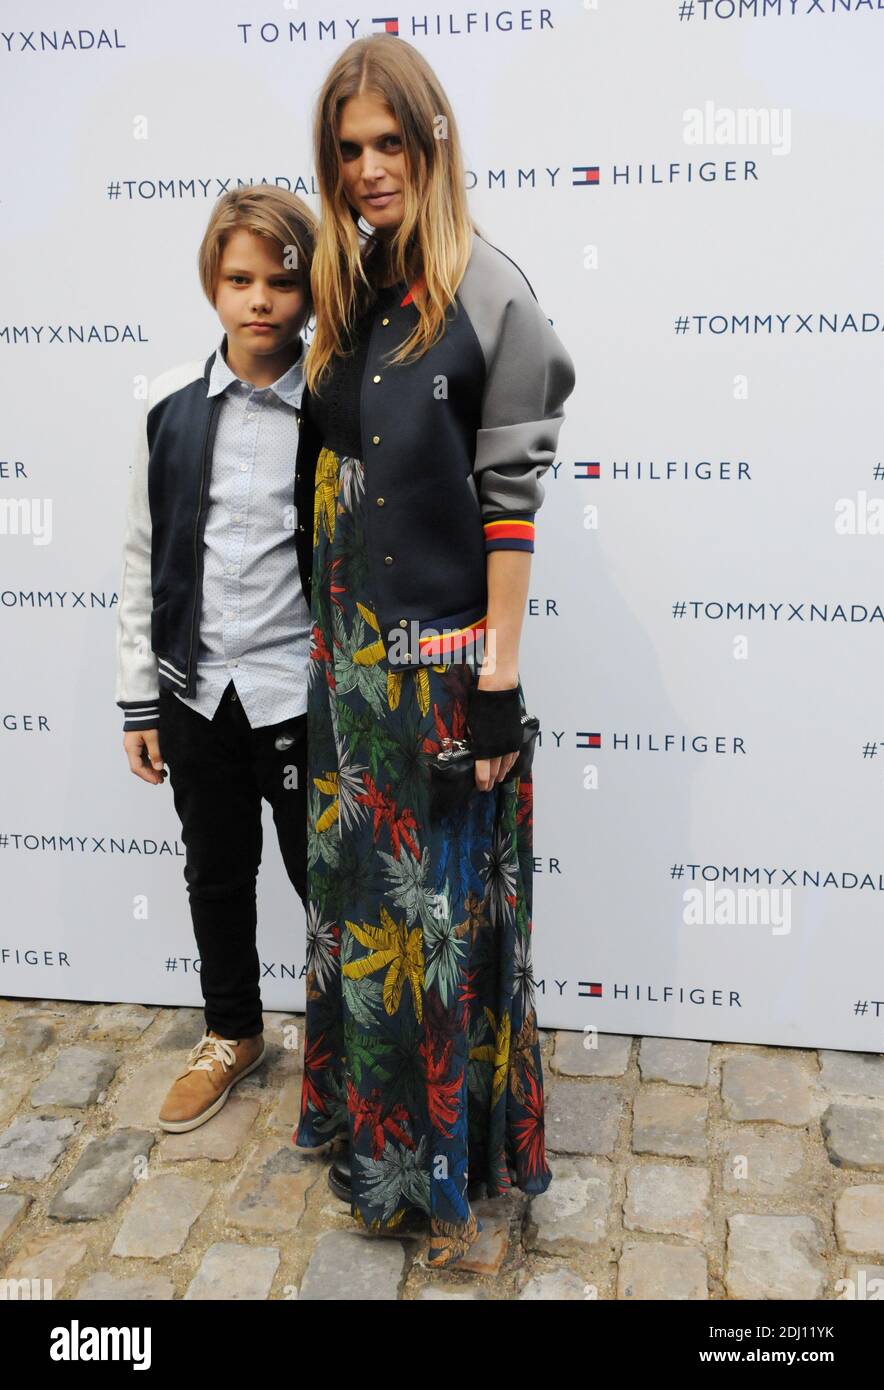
(139, 714)
(514, 532)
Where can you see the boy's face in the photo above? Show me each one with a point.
(258, 300)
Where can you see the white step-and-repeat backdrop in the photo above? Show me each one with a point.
(693, 188)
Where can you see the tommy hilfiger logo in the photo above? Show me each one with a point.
(716, 996)
(650, 742)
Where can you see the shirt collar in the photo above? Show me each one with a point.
(289, 387)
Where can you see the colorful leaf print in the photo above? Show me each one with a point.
(421, 1037)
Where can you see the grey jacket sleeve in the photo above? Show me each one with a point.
(529, 376)
(137, 682)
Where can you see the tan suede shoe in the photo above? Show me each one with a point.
(214, 1066)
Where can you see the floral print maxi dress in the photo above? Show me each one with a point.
(421, 1038)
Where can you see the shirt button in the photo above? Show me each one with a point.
(243, 468)
(375, 378)
(388, 559)
(380, 501)
(300, 528)
(231, 569)
(376, 439)
(237, 518)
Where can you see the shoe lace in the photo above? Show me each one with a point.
(210, 1050)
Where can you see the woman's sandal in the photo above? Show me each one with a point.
(447, 1252)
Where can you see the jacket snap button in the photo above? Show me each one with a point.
(388, 559)
(385, 321)
(376, 439)
(300, 528)
(403, 622)
(380, 501)
(375, 378)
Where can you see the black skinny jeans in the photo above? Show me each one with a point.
(220, 769)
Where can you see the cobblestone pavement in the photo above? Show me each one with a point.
(681, 1170)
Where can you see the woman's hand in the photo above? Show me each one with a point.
(490, 771)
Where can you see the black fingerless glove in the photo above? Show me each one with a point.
(494, 721)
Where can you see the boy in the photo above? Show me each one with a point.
(214, 619)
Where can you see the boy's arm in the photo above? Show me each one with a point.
(137, 682)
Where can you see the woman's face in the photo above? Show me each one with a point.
(372, 162)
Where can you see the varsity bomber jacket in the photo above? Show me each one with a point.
(454, 446)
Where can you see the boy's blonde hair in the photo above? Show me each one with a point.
(270, 212)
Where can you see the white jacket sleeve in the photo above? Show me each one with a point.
(137, 683)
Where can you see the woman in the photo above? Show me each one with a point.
(434, 386)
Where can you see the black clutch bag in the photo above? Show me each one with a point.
(453, 769)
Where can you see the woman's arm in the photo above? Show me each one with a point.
(509, 572)
(530, 375)
(508, 575)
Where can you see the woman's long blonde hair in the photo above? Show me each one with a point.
(434, 237)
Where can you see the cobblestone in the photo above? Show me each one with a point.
(682, 1170)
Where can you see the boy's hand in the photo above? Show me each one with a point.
(143, 751)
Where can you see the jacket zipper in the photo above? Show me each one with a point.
(197, 558)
